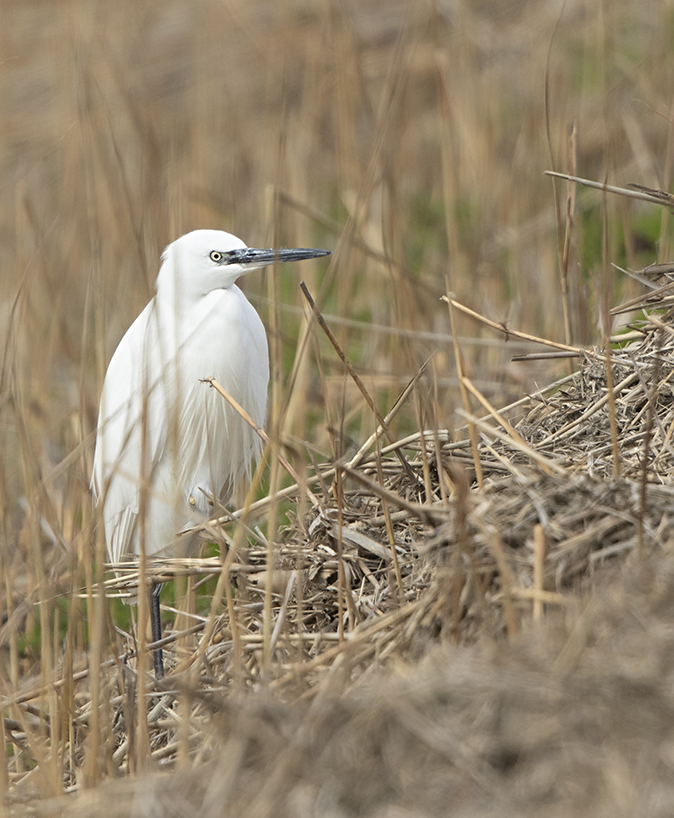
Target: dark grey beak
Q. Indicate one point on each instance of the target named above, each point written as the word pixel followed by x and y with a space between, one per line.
pixel 250 257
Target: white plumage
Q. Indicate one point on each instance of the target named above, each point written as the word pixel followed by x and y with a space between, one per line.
pixel 165 440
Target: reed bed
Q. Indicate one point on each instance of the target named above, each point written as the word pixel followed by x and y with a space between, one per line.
pixel 449 589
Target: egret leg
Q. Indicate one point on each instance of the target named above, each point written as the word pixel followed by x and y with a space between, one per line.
pixel 155 621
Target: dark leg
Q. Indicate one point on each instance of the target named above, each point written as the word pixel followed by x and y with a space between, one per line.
pixel 155 620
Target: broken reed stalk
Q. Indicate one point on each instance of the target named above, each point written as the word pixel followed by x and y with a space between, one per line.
pixel 393 411
pixel 356 379
pixel 663 242
pixel 572 147
pixel 544 356
pixel 606 332
pixel 354 376
pixel 641 192
pixel 275 410
pixel 464 391
pixel 512 332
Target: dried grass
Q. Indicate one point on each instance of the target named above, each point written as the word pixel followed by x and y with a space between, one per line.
pixel 384 637
pixel 467 569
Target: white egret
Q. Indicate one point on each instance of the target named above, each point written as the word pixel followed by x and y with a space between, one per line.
pixel 168 447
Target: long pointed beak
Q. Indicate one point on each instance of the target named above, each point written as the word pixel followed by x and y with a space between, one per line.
pixel 252 258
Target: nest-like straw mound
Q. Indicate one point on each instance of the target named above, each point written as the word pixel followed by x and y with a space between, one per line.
pixel 574 424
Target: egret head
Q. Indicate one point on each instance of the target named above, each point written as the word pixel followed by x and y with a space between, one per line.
pixel 206 260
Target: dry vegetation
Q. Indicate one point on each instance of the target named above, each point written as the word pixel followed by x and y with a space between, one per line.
pixel 438 618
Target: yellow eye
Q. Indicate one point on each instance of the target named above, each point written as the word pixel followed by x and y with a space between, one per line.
pixel 216 256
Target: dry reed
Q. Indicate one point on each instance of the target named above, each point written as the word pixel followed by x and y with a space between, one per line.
pixel 364 642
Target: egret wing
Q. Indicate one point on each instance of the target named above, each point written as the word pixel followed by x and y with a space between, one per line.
pixel 131 426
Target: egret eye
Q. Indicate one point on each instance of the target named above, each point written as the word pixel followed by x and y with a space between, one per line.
pixel 216 256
